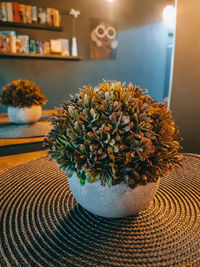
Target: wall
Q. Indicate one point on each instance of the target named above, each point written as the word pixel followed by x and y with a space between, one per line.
pixel 141 55
pixel 185 97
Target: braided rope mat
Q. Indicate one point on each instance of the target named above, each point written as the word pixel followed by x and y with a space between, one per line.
pixel 42 225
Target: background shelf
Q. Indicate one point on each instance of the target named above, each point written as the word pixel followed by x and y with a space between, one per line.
pixel 38 56
pixel 32 26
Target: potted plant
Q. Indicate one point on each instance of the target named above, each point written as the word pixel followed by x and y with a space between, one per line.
pixel 24 100
pixel 115 143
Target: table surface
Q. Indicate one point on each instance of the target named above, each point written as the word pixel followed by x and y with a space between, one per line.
pixel 11 130
pixel 13 160
pixel 12 146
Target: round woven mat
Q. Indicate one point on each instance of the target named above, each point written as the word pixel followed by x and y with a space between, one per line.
pixel 42 225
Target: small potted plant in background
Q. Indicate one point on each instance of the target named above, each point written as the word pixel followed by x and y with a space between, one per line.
pixel 115 143
pixel 24 100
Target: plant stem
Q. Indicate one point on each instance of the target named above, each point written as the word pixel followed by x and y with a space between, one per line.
pixel 73 27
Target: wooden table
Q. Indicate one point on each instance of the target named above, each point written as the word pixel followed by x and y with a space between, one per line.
pixel 14 160
pixel 14 151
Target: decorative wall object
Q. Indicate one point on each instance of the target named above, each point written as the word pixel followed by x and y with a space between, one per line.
pixel 103 40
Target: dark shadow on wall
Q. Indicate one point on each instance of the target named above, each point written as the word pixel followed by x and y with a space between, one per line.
pixel 185 97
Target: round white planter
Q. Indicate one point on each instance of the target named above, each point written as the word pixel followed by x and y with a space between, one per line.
pixel 25 115
pixel 112 202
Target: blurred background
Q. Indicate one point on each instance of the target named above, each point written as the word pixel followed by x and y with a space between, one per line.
pixel 147 55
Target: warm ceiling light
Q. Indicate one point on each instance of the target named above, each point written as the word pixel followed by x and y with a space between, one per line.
pixel 110 0
pixel 169 17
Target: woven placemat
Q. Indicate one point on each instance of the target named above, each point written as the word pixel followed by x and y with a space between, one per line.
pixel 42 225
pixel 9 129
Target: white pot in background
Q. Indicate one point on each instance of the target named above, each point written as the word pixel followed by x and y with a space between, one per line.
pixel 25 115
pixel 112 202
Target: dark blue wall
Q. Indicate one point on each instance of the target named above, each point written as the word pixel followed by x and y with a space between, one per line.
pixel 142 57
pixel 141 54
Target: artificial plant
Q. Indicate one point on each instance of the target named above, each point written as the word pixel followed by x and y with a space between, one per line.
pixel 22 93
pixel 114 133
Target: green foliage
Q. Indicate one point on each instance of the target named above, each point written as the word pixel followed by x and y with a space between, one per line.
pixel 114 133
pixel 22 93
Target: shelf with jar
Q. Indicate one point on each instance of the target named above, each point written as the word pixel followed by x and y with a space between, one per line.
pixel 12 45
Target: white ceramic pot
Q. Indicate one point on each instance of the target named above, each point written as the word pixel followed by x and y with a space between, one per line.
pixel 25 115
pixel 112 202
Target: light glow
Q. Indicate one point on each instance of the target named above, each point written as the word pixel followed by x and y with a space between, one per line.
pixel 169 17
